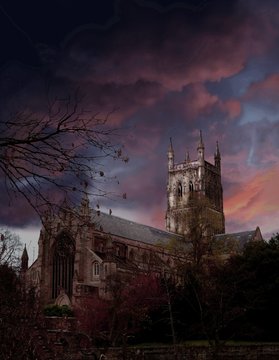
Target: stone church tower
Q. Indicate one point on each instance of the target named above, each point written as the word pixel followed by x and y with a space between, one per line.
pixel 194 187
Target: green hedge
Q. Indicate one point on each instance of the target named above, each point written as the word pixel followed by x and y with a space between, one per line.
pixel 56 310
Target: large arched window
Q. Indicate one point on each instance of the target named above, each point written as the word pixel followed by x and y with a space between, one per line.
pixel 63 265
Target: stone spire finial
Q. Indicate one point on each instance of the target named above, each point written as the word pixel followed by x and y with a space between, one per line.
pixel 187 157
pixel 24 259
pixel 217 152
pixel 170 156
pixel 217 157
pixel 170 146
pixel 200 149
pixel 200 144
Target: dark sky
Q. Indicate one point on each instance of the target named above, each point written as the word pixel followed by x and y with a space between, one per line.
pixel 170 69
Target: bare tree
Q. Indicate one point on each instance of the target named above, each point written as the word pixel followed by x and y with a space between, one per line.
pixel 199 242
pixel 10 248
pixel 62 149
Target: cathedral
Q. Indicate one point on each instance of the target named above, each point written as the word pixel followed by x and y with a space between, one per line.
pixel 80 249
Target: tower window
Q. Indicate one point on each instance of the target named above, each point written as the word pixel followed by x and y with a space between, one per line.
pixel 179 190
pixel 191 186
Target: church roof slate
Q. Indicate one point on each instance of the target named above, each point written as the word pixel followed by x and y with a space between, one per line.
pixel 242 238
pixel 128 229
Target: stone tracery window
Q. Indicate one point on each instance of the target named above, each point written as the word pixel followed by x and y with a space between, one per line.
pixel 63 264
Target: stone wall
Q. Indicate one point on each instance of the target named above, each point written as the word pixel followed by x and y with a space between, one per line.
pixel 243 352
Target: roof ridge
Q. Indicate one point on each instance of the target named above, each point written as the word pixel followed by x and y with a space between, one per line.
pixel 235 233
pixel 137 223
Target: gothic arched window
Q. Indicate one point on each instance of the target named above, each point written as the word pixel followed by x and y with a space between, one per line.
pixel 179 189
pixel 63 264
pixel 191 186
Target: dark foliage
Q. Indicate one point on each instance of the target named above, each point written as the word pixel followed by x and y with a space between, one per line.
pixel 256 275
pixel 56 310
pixel 234 300
pixel 16 316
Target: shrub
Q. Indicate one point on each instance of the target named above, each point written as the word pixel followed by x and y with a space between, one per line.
pixel 56 310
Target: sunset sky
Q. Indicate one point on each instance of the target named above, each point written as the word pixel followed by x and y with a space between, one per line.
pixel 168 69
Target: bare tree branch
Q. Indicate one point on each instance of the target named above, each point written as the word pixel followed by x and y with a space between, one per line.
pixel 10 248
pixel 63 150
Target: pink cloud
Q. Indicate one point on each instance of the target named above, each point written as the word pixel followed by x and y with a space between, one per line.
pixel 155 216
pixel 196 100
pixel 255 201
pixel 182 55
pixel 200 101
pixel 267 89
pixel 232 107
pixel 122 101
pixel 234 167
pixel 137 61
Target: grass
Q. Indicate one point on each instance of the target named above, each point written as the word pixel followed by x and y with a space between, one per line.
pixel 205 343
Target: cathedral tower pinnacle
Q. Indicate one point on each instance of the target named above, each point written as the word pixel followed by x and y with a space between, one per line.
pixel 170 156
pixel 217 157
pixel 200 148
